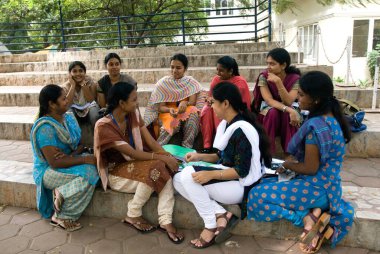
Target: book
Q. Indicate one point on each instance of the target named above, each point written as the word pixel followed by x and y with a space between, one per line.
pixel 179 152
pixel 282 177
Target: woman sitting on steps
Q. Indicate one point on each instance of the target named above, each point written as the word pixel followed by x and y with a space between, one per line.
pixel 61 168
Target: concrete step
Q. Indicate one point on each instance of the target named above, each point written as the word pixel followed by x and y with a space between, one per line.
pixel 17 189
pixel 243 59
pixel 162 51
pixel 27 57
pixel 142 52
pixel 143 76
pixel 28 95
pixel 16 123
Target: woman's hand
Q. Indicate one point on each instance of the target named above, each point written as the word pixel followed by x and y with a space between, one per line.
pixel 72 81
pixel 295 118
pixel 273 78
pixel 170 162
pixel 182 107
pixel 202 177
pixel 192 157
pixel 89 159
pixel 173 112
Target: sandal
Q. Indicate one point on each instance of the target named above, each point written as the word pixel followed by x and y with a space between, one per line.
pixel 327 233
pixel 319 226
pixel 57 198
pixel 204 243
pixel 68 225
pixel 137 225
pixel 179 239
pixel 223 232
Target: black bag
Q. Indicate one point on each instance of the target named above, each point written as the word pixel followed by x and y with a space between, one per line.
pixel 354 115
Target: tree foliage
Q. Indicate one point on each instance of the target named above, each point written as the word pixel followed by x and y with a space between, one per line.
pixel 97 23
pixel 280 6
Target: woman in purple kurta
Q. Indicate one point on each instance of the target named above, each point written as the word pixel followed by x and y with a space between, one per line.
pixel 275 92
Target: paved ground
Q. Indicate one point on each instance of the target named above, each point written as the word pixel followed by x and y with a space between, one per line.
pixel 23 231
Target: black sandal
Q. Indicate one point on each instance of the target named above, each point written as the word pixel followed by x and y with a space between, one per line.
pixel 179 239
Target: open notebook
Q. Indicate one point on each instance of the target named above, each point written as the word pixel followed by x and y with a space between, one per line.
pixel 179 152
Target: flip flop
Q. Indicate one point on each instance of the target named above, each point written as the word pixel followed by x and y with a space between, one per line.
pixel 204 243
pixel 63 225
pixel 179 240
pixel 224 232
pixel 136 225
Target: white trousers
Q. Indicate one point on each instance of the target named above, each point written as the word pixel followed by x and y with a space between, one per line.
pixel 205 198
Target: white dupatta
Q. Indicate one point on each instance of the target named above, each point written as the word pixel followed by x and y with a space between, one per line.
pixel 222 137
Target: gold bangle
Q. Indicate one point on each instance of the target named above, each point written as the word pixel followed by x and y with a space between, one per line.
pixel 152 155
pixel 220 174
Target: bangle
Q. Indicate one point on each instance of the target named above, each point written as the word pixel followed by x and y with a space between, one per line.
pixel 284 108
pixel 220 174
pixel 152 155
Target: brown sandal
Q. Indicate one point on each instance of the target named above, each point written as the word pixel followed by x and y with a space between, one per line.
pixel 326 234
pixel 319 226
pixel 204 243
pixel 223 232
pixel 68 225
pixel 175 233
pixel 137 225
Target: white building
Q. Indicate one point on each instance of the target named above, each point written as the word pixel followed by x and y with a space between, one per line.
pixel 324 32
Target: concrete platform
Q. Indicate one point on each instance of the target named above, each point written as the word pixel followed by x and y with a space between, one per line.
pixel 155 61
pixel 28 95
pixel 17 189
pixel 143 76
pixel 16 123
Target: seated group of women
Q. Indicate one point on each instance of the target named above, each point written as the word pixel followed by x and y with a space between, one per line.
pixel 128 159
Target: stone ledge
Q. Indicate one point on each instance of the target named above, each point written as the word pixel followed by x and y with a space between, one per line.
pixel 16 123
pixel 365 231
pixel 155 61
pixel 28 95
pixel 144 76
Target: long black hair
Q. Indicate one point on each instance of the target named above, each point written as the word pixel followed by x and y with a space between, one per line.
pixel 77 63
pixel 320 88
pixel 182 58
pixel 282 56
pixel 228 91
pixel 230 64
pixel 119 91
pixel 48 93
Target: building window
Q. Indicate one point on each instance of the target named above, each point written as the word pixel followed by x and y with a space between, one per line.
pixel 360 38
pixel 366 35
pixel 223 7
pixel 309 41
pixel 376 34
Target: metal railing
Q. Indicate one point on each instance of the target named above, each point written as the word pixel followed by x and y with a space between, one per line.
pixel 174 28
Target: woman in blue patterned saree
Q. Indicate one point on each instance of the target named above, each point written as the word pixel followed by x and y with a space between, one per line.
pixel 61 168
pixel 314 198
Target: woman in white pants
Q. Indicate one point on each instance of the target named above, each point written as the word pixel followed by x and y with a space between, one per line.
pixel 244 150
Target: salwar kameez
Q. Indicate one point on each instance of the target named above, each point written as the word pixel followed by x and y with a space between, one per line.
pixel 171 91
pixel 271 200
pixel 76 183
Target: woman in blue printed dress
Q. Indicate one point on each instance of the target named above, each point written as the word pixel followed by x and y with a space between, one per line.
pixel 62 169
pixel 314 198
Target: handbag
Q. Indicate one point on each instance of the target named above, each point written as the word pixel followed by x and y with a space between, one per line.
pixel 354 115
